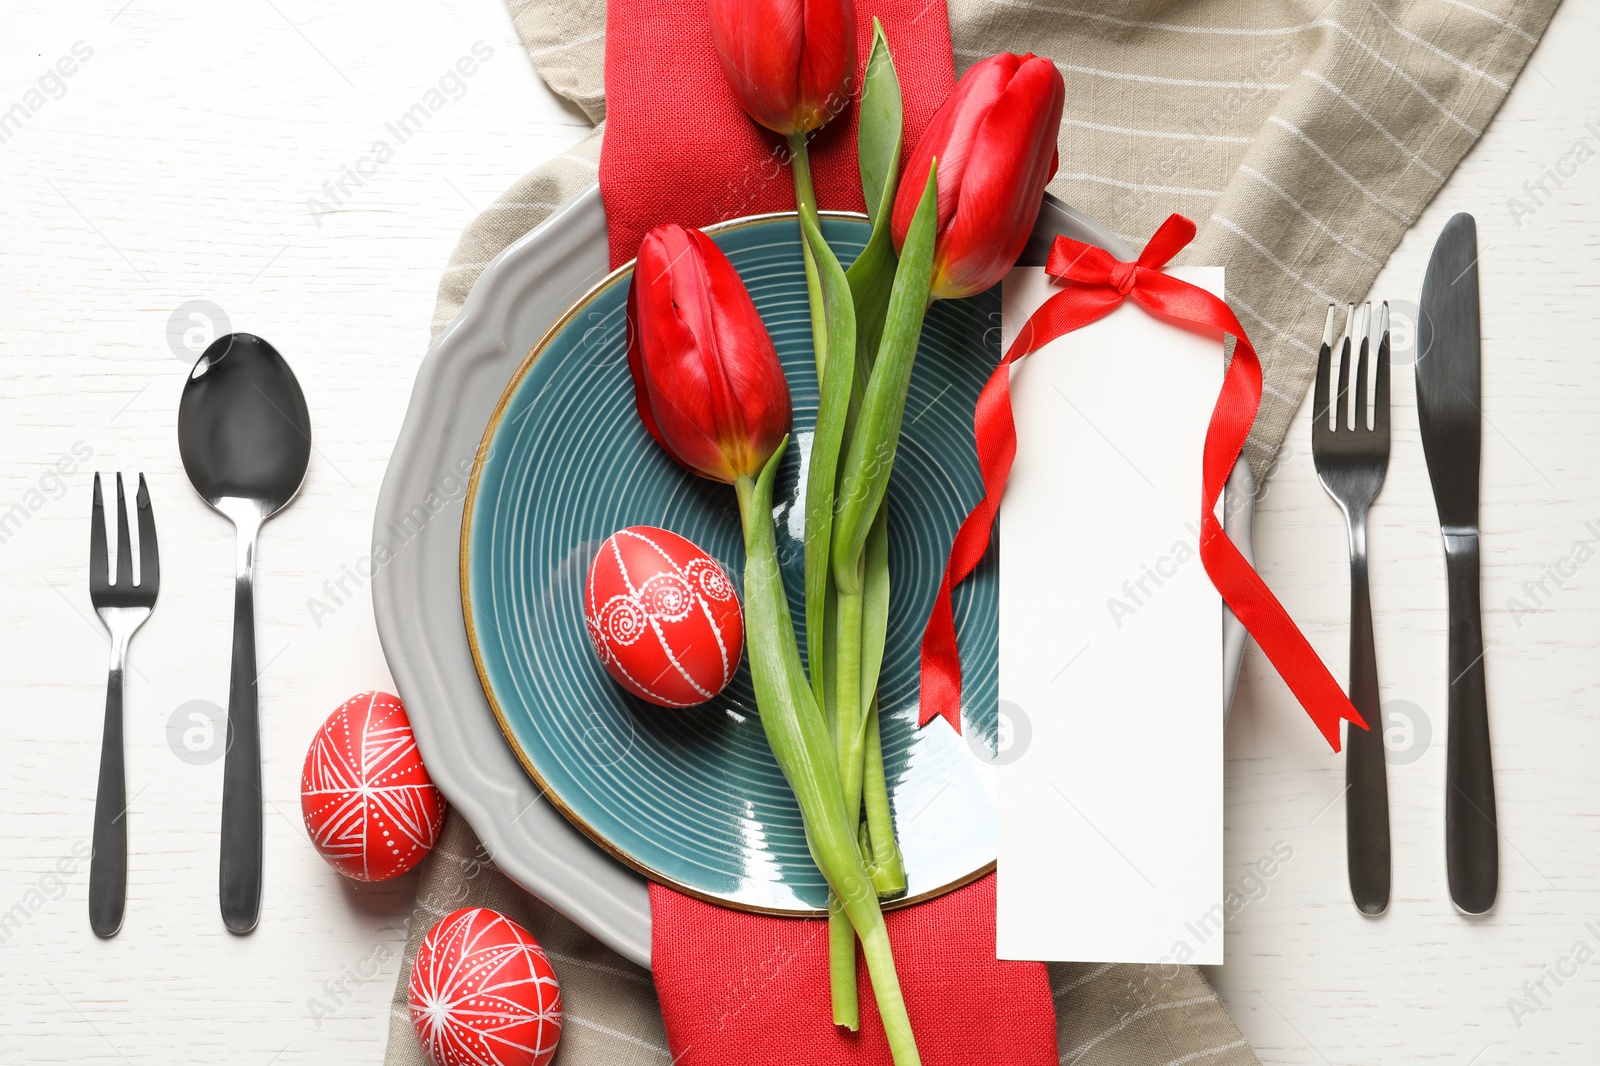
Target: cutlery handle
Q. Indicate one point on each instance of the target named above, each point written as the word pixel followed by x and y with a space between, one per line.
pixel 239 883
pixel 108 864
pixel 1472 847
pixel 1366 779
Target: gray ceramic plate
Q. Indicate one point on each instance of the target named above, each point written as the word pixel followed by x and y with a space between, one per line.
pixel 416 595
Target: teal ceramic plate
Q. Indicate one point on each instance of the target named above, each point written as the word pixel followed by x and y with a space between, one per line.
pixel 693 798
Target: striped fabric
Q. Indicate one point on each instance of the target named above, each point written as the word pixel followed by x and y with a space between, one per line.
pixel 1304 136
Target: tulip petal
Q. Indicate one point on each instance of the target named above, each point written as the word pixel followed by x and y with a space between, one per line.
pixel 1003 184
pixel 708 383
pixel 986 88
pixel 641 394
pixel 738 361
pixel 995 139
pixel 676 325
pixel 789 62
pixel 827 61
pixel 758 43
pixel 951 136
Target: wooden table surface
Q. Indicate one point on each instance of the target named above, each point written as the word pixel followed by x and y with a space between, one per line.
pixel 246 155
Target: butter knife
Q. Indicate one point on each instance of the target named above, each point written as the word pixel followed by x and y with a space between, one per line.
pixel 1448 409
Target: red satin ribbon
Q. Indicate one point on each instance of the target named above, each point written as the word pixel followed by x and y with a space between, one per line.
pixel 1097 283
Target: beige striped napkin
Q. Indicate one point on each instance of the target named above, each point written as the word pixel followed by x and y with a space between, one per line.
pixel 1303 136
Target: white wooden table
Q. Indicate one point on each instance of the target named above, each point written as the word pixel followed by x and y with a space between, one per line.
pixel 230 153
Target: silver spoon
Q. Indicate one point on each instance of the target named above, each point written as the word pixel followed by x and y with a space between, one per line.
pixel 245 437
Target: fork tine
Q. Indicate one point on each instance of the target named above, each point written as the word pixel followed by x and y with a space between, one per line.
pixel 149 556
pixel 1360 418
pixel 1380 396
pixel 124 542
pixel 1341 419
pixel 1319 400
pixel 99 569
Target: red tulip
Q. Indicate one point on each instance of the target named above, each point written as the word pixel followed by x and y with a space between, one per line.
pixel 789 61
pixel 706 378
pixel 995 139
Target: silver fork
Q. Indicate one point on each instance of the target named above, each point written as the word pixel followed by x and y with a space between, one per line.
pixel 1351 454
pixel 123 606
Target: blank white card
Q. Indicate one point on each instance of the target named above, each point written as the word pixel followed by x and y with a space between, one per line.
pixel 1110 791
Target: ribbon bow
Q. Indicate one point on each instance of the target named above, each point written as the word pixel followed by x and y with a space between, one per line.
pixel 1097 282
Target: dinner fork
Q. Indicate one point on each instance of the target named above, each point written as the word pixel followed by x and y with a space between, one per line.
pixel 1350 450
pixel 123 606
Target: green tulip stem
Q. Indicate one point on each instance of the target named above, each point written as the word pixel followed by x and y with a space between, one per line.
pixel 846 621
pixel 884 865
pixel 842 967
pixel 883 857
pixel 805 198
pixel 836 381
pixel 860 743
pixel 849 734
pixel 803 747
pixel 836 385
pixel 804 193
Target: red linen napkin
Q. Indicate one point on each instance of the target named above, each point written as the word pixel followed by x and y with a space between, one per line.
pixel 744 988
pixel 748 989
pixel 678 148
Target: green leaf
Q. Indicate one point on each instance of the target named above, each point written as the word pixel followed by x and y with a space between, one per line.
pixel 790 717
pixel 871 279
pixel 838 378
pixel 879 140
pixel 875 605
pixel 881 127
pixel 870 458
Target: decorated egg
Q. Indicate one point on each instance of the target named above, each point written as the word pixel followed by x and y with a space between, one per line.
pixel 369 804
pixel 482 993
pixel 663 617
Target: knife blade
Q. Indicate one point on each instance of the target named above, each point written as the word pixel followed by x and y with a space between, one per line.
pixel 1449 398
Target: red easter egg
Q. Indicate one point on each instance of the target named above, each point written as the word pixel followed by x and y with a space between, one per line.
pixel 369 804
pixel 482 993
pixel 663 617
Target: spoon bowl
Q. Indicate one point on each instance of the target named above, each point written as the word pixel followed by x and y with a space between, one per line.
pixel 243 428
pixel 244 434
